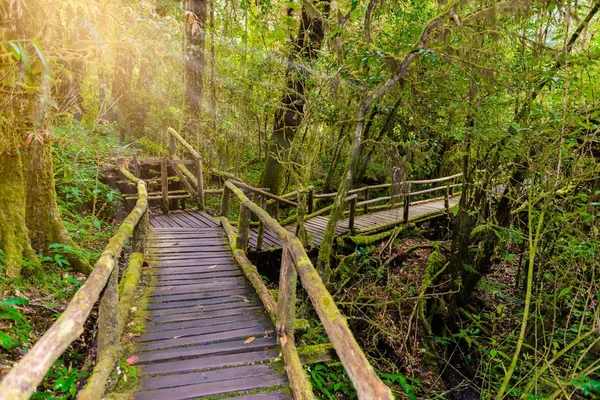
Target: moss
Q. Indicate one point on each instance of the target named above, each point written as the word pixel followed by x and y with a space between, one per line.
pixel 316 353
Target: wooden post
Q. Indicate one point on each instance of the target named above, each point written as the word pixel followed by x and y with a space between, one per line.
pixel 137 240
pixel 406 202
pixel 243 228
pixel 200 193
pixel 366 206
pixel 286 302
pixel 136 166
pixel 286 316
pixel 164 178
pixel 108 317
pixel 172 147
pixel 261 225
pixel 311 201
pixel 352 204
pixel 225 201
pixel 447 199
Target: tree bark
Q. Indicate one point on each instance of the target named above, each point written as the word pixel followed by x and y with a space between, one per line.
pixel 194 58
pixel 290 113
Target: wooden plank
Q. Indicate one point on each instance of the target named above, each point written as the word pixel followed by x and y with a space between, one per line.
pixel 197 314
pixel 252 330
pixel 210 362
pixel 165 279
pixel 203 350
pixel 191 281
pixel 201 330
pixel 203 304
pixel 206 376
pixel 206 322
pixel 243 291
pixel 175 219
pixel 204 217
pixel 277 395
pixel 212 389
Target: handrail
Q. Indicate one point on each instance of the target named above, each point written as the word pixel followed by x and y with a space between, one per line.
pixel 26 375
pixel 296 262
pixel 181 170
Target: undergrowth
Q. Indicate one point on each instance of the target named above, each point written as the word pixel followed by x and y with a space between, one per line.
pixel 33 302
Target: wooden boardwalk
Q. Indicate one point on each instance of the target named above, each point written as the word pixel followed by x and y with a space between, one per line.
pixel 208 333
pixel 316 225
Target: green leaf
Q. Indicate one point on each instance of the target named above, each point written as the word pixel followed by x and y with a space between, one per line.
pixel 16 50
pixel 36 46
pixel 6 341
pixel 14 301
pixel 564 292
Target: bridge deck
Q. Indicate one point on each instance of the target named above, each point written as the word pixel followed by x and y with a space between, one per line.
pixel 208 334
pixel 316 225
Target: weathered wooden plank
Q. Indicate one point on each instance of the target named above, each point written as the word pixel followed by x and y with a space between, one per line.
pixel 277 395
pixel 210 362
pixel 252 330
pixel 245 371
pixel 196 314
pixel 203 350
pixel 224 302
pixel 212 389
pixel 243 292
pixel 194 280
pixel 201 330
pixel 246 316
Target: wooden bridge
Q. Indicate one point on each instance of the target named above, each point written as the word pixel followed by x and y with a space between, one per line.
pixel 213 328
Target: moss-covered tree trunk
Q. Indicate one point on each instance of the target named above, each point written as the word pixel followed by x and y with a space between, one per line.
pixel 290 113
pixel 14 238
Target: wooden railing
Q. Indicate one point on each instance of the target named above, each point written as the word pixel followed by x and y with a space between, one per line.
pixel 102 286
pixel 295 262
pixel 184 175
pixel 355 206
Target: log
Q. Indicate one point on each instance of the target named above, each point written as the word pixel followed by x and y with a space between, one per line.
pixel 26 375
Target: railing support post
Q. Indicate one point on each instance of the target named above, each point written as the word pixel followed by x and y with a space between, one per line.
pixel 447 199
pixel 108 318
pixel 164 178
pixel 200 193
pixel 225 201
pixel 406 202
pixel 366 206
pixel 243 228
pixel 311 200
pixel 261 226
pixel 137 240
pixel 172 147
pixel 352 204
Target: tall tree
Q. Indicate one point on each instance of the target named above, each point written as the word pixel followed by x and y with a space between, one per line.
pixel 291 110
pixel 29 216
pixel 194 59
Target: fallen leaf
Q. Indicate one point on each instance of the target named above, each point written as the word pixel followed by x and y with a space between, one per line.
pixel 283 339
pixel 132 360
pixel 176 244
pixel 130 335
pixel 132 323
pixel 249 340
pixel 166 288
pixel 214 266
pixel 200 307
pixel 177 337
pixel 133 309
pixel 268 334
pixel 246 301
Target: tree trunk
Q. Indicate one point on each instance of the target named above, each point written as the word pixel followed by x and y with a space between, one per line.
pixel 194 59
pixel 290 113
